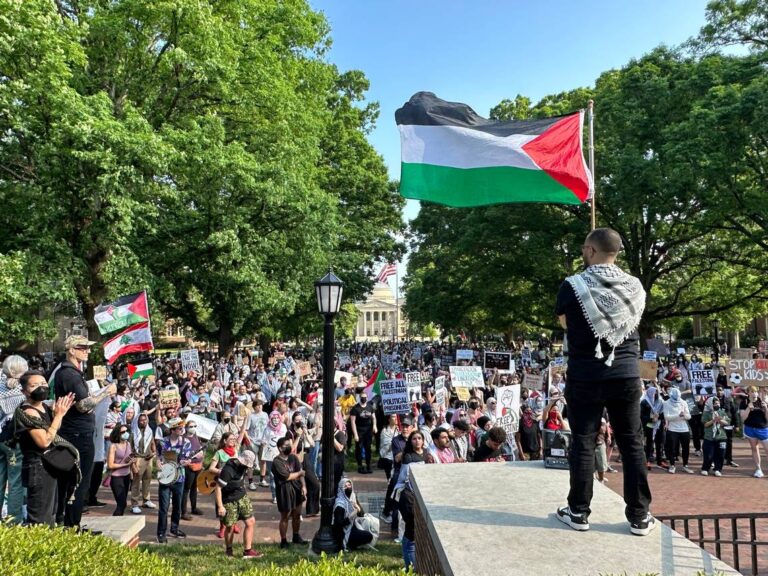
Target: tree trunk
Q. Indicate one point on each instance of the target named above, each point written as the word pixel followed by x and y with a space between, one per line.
pixel 265 345
pixel 646 333
pixel 226 342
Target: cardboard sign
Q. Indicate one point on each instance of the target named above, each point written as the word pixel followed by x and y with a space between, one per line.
pixel 463 394
pixel 440 395
pixel 753 372
pixel 394 396
pixel 533 381
pixel 467 377
pixel 190 360
pixel 464 355
pixel 446 361
pixel 338 375
pixel 511 423
pixel 705 378
pixel 681 351
pixel 648 369
pixel 658 346
pixel 558 366
pixel 280 355
pixel 741 354
pixel 305 369
pixel 205 426
pixel 169 399
pixel 498 360
pixel 100 372
pixel 526 354
pixel 507 400
pixel 344 360
pixel 413 381
pixel 650 355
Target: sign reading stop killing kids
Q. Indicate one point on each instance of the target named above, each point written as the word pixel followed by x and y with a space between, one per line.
pixel 467 377
pixel 413 381
pixel 753 372
pixel 499 360
pixel 394 396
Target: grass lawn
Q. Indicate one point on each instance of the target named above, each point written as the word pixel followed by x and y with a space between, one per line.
pixel 209 559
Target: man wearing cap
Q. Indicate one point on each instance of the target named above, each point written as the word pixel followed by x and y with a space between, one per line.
pixel 77 426
pixel 600 309
pixel 233 504
pixel 178 449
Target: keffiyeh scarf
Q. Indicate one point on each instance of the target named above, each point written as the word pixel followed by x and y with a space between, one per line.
pixel 612 302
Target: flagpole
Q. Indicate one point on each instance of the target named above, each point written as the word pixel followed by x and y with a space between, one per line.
pixel 591 113
pixel 397 303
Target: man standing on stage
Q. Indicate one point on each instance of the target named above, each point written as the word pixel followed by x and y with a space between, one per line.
pixel 600 308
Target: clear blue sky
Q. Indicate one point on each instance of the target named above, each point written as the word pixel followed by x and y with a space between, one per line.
pixel 483 51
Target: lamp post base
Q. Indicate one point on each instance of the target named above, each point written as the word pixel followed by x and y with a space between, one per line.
pixel 324 541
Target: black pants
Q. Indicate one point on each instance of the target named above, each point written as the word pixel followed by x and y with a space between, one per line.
pixel 71 500
pixel 313 487
pixel 96 477
pixel 586 401
pixel 169 496
pixel 654 442
pixel 728 445
pixel 713 454
pixel 697 431
pixel 41 492
pixel 365 439
pixel 190 489
pixel 386 465
pixel 678 442
pixel 121 487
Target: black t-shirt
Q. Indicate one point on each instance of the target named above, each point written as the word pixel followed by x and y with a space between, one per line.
pixel 363 416
pixel 756 417
pixel 485 452
pixel 68 379
pixel 529 437
pixel 282 468
pixel 231 481
pixel 582 364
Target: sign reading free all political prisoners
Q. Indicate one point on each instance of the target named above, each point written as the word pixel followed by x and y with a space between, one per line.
pixel 394 396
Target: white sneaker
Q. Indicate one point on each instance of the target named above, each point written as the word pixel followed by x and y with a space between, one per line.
pixel 687 470
pixel 758 473
pixel 672 470
pixel 704 473
pixel 252 486
pixel 149 504
pixel 718 473
pixel 135 510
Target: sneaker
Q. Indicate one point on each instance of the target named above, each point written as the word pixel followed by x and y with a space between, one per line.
pixel 149 504
pixel 96 504
pixel 297 539
pixel 274 500
pixel 649 465
pixel 386 518
pixel 162 539
pixel 758 473
pixel 284 544
pixel 612 470
pixel 252 486
pixel 135 510
pixel 643 527
pixel 229 552
pixel 252 554
pixel 704 473
pixel 360 470
pixel 671 469
pixel 687 470
pixel 697 453
pixel 186 517
pixel 264 484
pixel 235 529
pixel 178 533
pixel 575 521
pixel 197 512
pixel 718 473
pixel 732 464
pixel 220 532
pixel 398 541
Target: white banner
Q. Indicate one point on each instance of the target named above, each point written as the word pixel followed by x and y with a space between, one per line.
pixel 464 355
pixel 467 377
pixel 190 360
pixel 394 396
pixel 440 390
pixel 338 375
pixel 413 381
pixel 205 426
pixel 705 378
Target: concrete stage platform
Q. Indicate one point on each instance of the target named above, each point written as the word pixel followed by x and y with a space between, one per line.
pixel 123 529
pixel 483 519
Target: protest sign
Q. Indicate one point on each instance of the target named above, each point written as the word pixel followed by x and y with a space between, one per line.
pixel 648 369
pixel 657 345
pixel 205 426
pixel 413 381
pixel 533 381
pixel 305 369
pixel 169 398
pixel 753 372
pixel 190 360
pixel 762 346
pixel 526 354
pixel 464 355
pixel 741 354
pixel 279 355
pixel 93 386
pixel 388 361
pixel 558 366
pixel 100 372
pixel 440 395
pixel 446 361
pixel 499 360
pixel 507 400
pixel 705 378
pixel 416 353
pixel 344 360
pixel 463 394
pixel 338 375
pixel 650 355
pixel 467 377
pixel 394 396
pixel 681 350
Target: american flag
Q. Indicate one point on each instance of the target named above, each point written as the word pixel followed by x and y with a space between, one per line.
pixel 386 271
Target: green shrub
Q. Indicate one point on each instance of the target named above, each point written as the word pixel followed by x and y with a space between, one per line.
pixel 326 566
pixel 38 551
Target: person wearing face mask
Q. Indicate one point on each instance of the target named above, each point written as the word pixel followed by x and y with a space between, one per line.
pixel 362 420
pixel 120 461
pixel 233 504
pixel 346 510
pixel 189 496
pixel 37 427
pixel 291 491
pixel 677 415
pixel 714 419
pixel 272 433
pixel 301 442
pixel 226 425
pixel 11 397
pixel 144 449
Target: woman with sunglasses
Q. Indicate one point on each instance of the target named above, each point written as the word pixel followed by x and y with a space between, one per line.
pixel 120 459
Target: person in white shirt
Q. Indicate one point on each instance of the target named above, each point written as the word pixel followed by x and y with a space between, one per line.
pixel 676 415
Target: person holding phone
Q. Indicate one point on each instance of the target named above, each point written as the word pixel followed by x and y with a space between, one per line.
pixel 754 413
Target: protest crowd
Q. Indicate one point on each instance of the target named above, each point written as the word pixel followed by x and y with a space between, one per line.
pixel 228 426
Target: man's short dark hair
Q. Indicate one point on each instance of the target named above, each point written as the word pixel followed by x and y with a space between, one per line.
pixel 282 442
pixel 605 240
pixel 497 434
pixel 461 425
pixel 436 433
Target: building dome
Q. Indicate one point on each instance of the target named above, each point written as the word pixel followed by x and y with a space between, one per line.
pixel 383 292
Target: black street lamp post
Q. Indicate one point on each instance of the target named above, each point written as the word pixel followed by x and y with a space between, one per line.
pixel 329 290
pixel 715 326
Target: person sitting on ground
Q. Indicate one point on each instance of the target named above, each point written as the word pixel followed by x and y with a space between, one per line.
pixel 490 448
pixel 345 510
pixel 233 504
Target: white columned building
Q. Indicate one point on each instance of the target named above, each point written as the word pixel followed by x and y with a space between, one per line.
pixel 377 316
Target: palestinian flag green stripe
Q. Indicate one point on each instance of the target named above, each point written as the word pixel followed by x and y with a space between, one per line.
pixel 465 187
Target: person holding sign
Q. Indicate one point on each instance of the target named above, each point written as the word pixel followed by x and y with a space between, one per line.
pixel 600 309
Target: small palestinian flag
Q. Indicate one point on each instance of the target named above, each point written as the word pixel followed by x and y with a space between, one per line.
pixel 126 311
pixel 452 156
pixel 140 368
pixel 137 338
pixel 374 388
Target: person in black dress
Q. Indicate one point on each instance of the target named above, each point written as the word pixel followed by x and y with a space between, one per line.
pixel 290 491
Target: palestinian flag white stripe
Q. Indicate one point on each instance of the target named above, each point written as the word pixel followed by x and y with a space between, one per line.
pixel 461 147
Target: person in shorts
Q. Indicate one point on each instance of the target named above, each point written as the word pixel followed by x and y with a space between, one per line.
pixel 233 504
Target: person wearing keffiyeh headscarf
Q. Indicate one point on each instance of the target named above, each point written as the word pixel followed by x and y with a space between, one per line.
pixel 714 419
pixel 601 308
pixel 652 417
pixel 677 414
pixel 345 510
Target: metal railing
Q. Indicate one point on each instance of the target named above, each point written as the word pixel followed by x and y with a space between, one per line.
pixel 727 532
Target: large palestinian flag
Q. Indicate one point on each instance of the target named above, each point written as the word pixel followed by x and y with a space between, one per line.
pixel 140 368
pixel 452 156
pixel 137 338
pixel 126 311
